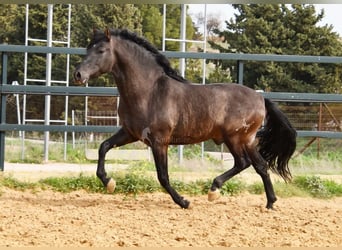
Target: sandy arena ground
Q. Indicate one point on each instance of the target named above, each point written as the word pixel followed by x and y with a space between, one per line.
pixel 47 218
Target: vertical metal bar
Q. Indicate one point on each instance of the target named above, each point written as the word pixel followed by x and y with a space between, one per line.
pixel 73 124
pixel 25 81
pixel 182 39
pixel 164 27
pixel 66 107
pixel 48 82
pixel 319 128
pixel 240 72
pixel 204 65
pixel 3 110
pixel 182 63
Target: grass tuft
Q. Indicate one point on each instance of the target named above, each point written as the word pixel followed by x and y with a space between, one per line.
pixel 137 182
pixel 318 187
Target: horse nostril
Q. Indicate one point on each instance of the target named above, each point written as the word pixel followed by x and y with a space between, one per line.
pixel 77 75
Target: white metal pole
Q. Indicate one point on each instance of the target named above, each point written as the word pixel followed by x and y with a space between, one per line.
pixel 25 77
pixel 204 65
pixel 67 83
pixel 48 82
pixel 73 124
pixel 182 62
pixel 18 105
pixel 164 27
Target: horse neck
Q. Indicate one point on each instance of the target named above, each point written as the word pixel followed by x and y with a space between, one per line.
pixel 135 70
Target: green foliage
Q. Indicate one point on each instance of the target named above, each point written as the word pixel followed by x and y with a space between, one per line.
pixel 198 187
pixel 152 23
pixel 101 16
pixel 16 184
pixel 144 19
pixel 318 187
pixel 134 183
pixel 333 188
pixel 141 166
pixel 279 29
pixel 34 153
pixel 68 184
pixel 288 190
pixel 11 20
pixel 327 162
pixel 256 188
pixel 173 17
pixel 232 187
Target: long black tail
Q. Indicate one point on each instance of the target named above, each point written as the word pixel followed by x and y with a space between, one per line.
pixel 277 141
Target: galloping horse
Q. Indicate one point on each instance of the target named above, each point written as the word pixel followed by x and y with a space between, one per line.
pixel 161 108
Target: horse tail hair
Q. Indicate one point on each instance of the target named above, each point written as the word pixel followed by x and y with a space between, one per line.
pixel 277 141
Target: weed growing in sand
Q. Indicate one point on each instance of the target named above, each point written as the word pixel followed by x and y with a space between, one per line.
pixel 318 187
pixel 13 183
pixel 135 183
pixel 68 184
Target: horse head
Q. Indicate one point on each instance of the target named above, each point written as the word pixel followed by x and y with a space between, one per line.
pixel 99 58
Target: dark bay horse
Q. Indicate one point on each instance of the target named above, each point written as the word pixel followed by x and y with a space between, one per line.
pixel 161 108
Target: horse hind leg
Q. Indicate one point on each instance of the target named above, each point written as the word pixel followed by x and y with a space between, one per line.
pixel 118 139
pixel 260 166
pixel 241 162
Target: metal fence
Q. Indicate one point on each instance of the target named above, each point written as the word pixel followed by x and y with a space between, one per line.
pixel 6 89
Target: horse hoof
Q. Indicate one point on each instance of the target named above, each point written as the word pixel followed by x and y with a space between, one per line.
pixel 111 186
pixel 186 204
pixel 214 195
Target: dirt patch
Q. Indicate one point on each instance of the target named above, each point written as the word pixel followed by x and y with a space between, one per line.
pixel 47 218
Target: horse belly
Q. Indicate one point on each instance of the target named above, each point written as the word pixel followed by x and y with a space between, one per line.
pixel 193 133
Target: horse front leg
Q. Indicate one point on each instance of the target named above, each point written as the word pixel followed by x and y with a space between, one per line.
pixel 118 139
pixel 160 159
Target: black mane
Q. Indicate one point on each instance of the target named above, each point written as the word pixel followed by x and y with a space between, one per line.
pixel 160 58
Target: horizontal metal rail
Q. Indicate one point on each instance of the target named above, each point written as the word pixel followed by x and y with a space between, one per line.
pixel 321 134
pixel 6 89
pixel 113 91
pixel 58 90
pixel 113 129
pixel 58 128
pixel 177 54
pixel 302 97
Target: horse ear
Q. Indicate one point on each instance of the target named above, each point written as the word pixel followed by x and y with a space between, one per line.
pixel 95 32
pixel 107 33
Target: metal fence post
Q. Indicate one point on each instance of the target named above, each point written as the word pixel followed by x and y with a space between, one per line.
pixel 240 72
pixel 3 109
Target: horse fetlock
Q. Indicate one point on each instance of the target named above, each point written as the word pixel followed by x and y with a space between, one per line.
pixel 111 186
pixel 270 203
pixel 214 195
pixel 185 204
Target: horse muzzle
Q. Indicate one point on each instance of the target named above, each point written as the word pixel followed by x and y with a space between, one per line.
pixel 80 78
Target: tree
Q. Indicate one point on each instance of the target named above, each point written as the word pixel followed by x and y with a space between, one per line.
pixel 173 17
pixel 101 16
pixel 213 22
pixel 152 16
pixel 278 29
pixel 142 19
pixel 152 23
